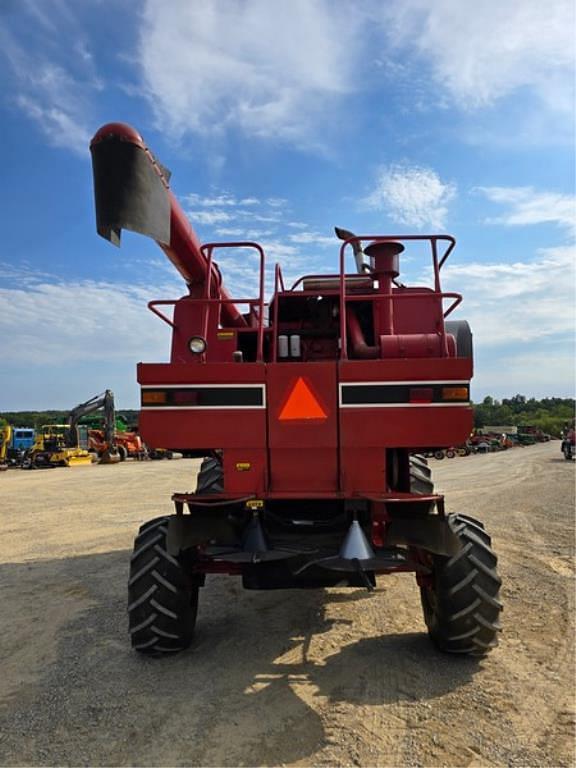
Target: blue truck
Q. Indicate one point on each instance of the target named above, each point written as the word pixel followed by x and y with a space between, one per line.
pixel 22 440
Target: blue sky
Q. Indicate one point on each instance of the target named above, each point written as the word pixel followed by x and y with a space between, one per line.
pixel 278 121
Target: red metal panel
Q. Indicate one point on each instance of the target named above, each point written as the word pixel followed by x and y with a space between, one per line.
pixel 209 373
pixel 418 311
pixel 188 322
pixel 364 430
pixel 245 472
pixel 197 428
pixel 303 452
pixel 405 427
pixel 363 470
pixel 411 425
pixel 413 369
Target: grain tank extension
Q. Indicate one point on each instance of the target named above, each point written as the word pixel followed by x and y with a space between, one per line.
pixel 312 411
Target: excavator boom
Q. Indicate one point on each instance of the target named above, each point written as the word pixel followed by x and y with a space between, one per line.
pixel 104 402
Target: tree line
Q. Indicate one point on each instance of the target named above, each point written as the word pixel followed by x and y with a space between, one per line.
pixel 550 414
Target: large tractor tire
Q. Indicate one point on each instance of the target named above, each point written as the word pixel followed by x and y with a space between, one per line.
pixel 462 336
pixel 210 477
pixel 162 601
pixel 460 604
pixel 420 476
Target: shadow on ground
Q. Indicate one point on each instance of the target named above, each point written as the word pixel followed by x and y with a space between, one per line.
pixel 246 692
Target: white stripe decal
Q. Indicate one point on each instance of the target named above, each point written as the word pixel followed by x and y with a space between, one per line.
pixel 202 407
pixel 204 386
pixel 408 405
pixel 426 383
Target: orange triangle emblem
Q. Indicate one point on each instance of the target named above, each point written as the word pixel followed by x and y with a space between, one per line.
pixel 302 404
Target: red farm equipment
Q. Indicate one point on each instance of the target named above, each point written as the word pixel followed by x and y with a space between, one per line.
pixel 312 411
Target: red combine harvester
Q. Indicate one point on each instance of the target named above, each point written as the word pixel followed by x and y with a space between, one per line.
pixel 311 411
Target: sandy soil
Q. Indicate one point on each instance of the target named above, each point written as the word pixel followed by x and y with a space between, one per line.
pixel 329 677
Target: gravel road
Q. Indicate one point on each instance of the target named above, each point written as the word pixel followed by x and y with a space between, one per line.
pixel 328 677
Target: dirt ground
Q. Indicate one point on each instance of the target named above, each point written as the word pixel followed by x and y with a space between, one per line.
pixel 323 678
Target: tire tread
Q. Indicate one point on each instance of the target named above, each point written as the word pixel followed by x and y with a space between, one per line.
pixel 462 609
pixel 162 603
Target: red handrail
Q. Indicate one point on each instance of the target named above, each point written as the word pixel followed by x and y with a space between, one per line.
pixel 207 251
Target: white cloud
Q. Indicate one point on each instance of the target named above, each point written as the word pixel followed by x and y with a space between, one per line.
pixel 231 232
pixel 59 125
pixel 523 301
pixel 49 13
pixel 242 215
pixel 314 238
pixel 223 199
pixel 537 372
pixel 413 196
pixel 80 321
pixel 482 53
pixel 276 249
pixel 271 218
pixel 283 71
pixel 529 206
pixel 55 95
pixel 85 333
pixel 209 217
pixel 269 69
pixel 23 274
pixel 244 234
pixel 226 216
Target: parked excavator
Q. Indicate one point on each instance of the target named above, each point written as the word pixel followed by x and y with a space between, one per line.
pixel 67 445
pixel 102 442
pixel 106 441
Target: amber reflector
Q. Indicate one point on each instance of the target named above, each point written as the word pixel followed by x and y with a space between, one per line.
pixel 149 397
pixel 454 393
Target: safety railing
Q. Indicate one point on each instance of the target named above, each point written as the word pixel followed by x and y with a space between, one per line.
pixel 208 300
pixel 437 262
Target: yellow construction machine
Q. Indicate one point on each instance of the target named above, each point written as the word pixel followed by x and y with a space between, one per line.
pixel 5 438
pixel 65 445
pixel 57 445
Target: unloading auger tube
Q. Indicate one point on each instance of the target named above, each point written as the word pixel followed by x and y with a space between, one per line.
pixel 131 192
pixel 311 417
